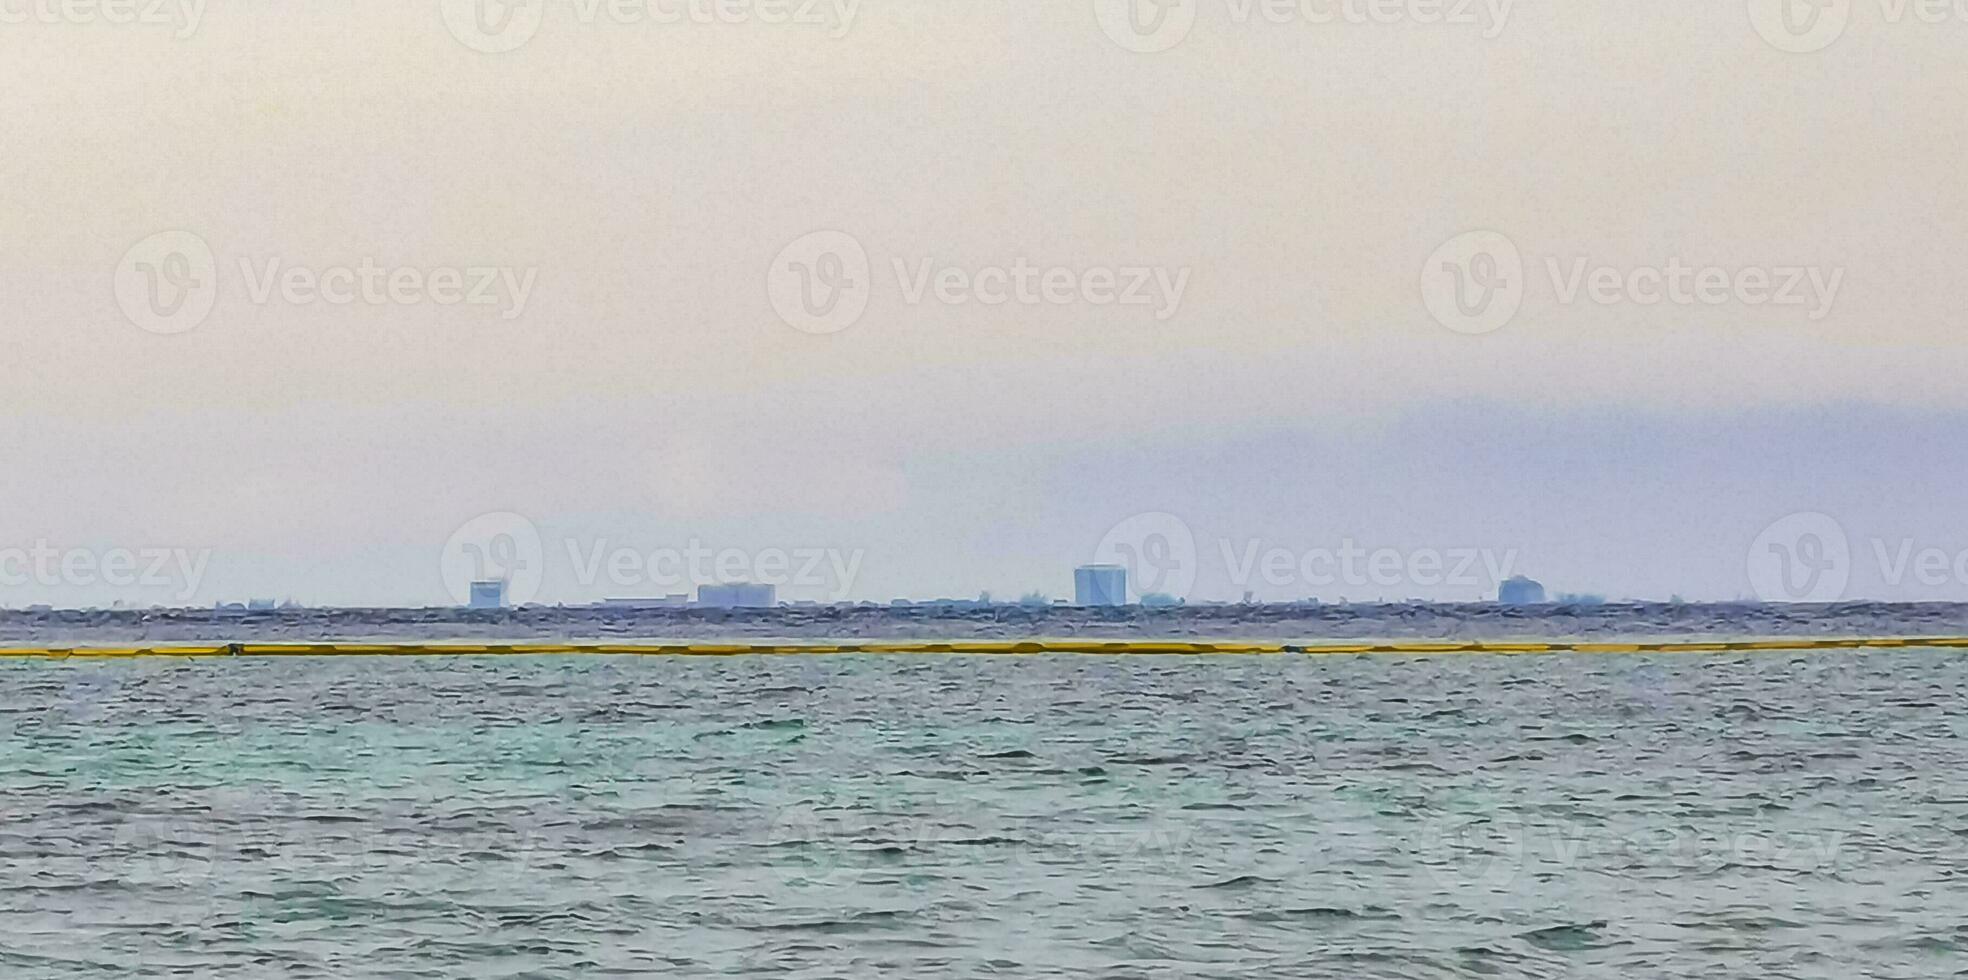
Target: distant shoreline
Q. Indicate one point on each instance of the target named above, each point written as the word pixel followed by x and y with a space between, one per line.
pixel 1279 622
pixel 977 648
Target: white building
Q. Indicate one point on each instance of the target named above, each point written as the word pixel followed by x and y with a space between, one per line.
pixel 737 595
pixel 649 602
pixel 1100 585
pixel 488 594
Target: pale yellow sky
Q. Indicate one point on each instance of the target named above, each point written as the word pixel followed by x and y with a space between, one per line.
pixel 641 178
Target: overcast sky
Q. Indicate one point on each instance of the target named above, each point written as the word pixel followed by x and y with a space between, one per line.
pixel 1595 292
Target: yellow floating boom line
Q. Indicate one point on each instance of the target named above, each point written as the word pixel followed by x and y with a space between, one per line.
pixel 977 648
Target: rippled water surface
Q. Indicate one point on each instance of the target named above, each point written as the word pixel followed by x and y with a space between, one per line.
pixel 1769 816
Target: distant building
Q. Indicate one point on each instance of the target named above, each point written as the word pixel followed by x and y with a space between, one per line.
pixel 737 595
pixel 1100 585
pixel 1520 591
pixel 648 602
pixel 489 594
pixel 238 608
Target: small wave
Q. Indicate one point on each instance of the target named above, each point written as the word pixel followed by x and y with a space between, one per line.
pixel 858 922
pixel 1315 913
pixel 1567 938
pixel 1240 882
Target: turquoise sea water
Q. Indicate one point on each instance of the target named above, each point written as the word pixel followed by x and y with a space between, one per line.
pixel 1773 815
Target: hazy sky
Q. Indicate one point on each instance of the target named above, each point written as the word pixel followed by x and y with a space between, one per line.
pixel 1714 285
